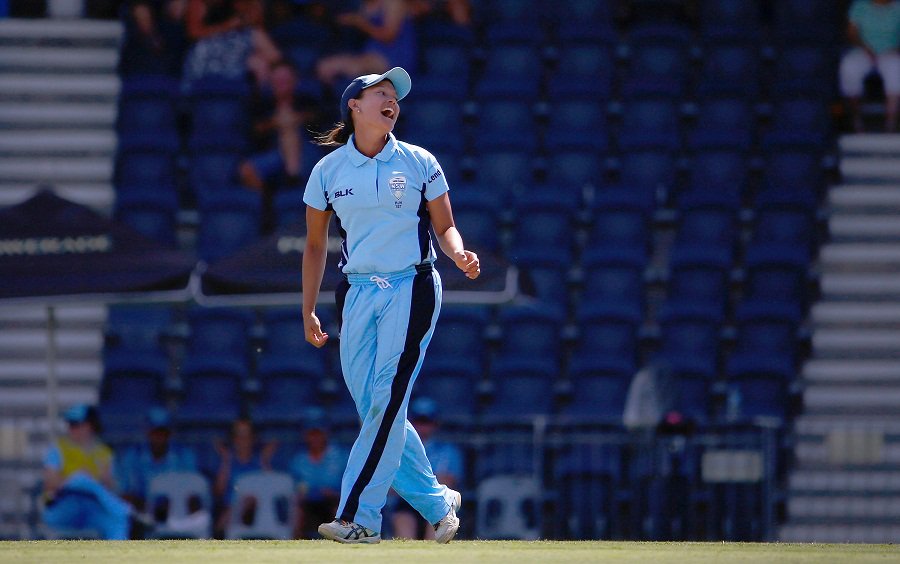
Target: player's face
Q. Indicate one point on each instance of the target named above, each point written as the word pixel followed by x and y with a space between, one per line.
pixel 378 108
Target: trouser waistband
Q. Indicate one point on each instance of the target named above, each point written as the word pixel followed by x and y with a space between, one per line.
pixel 374 277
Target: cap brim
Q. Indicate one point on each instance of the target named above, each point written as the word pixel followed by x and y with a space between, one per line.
pixel 398 77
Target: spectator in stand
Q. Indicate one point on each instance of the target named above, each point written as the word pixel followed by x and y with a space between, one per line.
pixel 154 41
pixel 446 462
pixel 317 471
pixel 874 31
pixel 158 455
pixel 391 42
pixel 279 135
pixel 229 41
pixel 240 457
pixel 79 490
pixel 458 12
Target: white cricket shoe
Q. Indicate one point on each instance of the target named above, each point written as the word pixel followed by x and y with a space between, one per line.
pixel 348 533
pixel 446 528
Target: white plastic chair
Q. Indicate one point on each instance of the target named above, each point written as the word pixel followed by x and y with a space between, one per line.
pixel 508 508
pixel 178 488
pixel 273 491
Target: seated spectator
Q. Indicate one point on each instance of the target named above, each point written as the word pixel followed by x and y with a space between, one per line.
pixel 280 137
pixel 229 41
pixel 240 457
pixel 158 455
pixel 154 41
pixel 317 470
pixel 79 491
pixel 446 463
pixel 391 42
pixel 457 11
pixel 874 30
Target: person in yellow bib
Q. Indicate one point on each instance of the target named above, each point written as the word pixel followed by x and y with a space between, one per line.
pixel 78 481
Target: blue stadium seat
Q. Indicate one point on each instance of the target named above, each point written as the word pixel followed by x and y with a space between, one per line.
pixel 808 20
pixel 783 225
pixel 707 231
pixel 454 382
pixel 777 275
pixel 142 167
pixel 212 172
pixel 530 333
pixel 590 479
pixel 650 122
pixel 614 282
pixel 577 123
pixel 227 223
pixel 717 176
pixel 588 21
pixel 152 214
pixel 622 226
pixel 285 341
pixel 575 168
pixel 476 217
pixel 689 341
pixel 137 328
pixel 512 71
pixel 648 171
pixel 501 120
pixel 724 121
pixel 801 122
pixel 504 169
pixel 729 19
pixel 793 169
pixel 583 69
pixel 444 116
pixel 731 69
pixel 546 278
pixel 148 86
pixel 541 229
pixel 608 340
pixel 212 391
pixel 132 382
pixel 657 66
pixel 523 388
pixel 766 343
pixel 461 329
pixel 698 280
pixel 598 391
pixel 148 116
pixel 219 332
pixel 286 387
pixel 803 69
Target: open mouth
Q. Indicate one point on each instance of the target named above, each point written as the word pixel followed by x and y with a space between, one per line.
pixel 388 113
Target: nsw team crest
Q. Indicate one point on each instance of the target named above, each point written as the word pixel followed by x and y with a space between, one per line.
pixel 398 188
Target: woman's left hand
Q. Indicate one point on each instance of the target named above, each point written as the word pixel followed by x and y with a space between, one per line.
pixel 468 262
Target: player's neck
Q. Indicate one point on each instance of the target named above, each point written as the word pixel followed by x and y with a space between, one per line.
pixel 369 143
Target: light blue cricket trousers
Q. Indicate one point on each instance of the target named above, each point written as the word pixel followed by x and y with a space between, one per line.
pixel 386 324
pixel 85 503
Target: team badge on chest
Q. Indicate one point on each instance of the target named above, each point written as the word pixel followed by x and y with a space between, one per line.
pixel 398 188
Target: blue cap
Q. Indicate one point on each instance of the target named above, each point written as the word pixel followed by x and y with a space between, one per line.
pixel 314 418
pixel 158 418
pixel 423 408
pixel 397 75
pixel 77 413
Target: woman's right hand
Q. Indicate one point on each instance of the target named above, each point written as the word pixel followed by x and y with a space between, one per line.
pixel 313 328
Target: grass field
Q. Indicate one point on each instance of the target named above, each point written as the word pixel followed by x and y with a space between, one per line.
pixel 413 552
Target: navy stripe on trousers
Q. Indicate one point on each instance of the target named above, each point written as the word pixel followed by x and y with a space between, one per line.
pixel 421 312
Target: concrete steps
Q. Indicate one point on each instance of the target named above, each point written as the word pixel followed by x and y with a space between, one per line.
pixel 845 482
pixel 84 116
pixel 60 143
pixel 58 59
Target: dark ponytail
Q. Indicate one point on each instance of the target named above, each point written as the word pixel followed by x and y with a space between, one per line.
pixel 337 135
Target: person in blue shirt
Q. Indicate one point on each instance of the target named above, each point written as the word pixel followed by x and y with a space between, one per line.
pixel 386 196
pixel 317 471
pixel 241 456
pixel 446 461
pixel 158 455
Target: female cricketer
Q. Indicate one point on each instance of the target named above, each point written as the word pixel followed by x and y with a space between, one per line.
pixel 386 196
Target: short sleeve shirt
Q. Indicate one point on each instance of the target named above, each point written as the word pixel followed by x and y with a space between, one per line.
pixel 379 204
pixel 445 458
pixel 879 25
pixel 316 476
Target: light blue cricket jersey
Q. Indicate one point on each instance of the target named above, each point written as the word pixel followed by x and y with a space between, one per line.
pixel 379 204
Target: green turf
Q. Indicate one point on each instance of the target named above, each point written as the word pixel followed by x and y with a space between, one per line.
pixel 413 552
